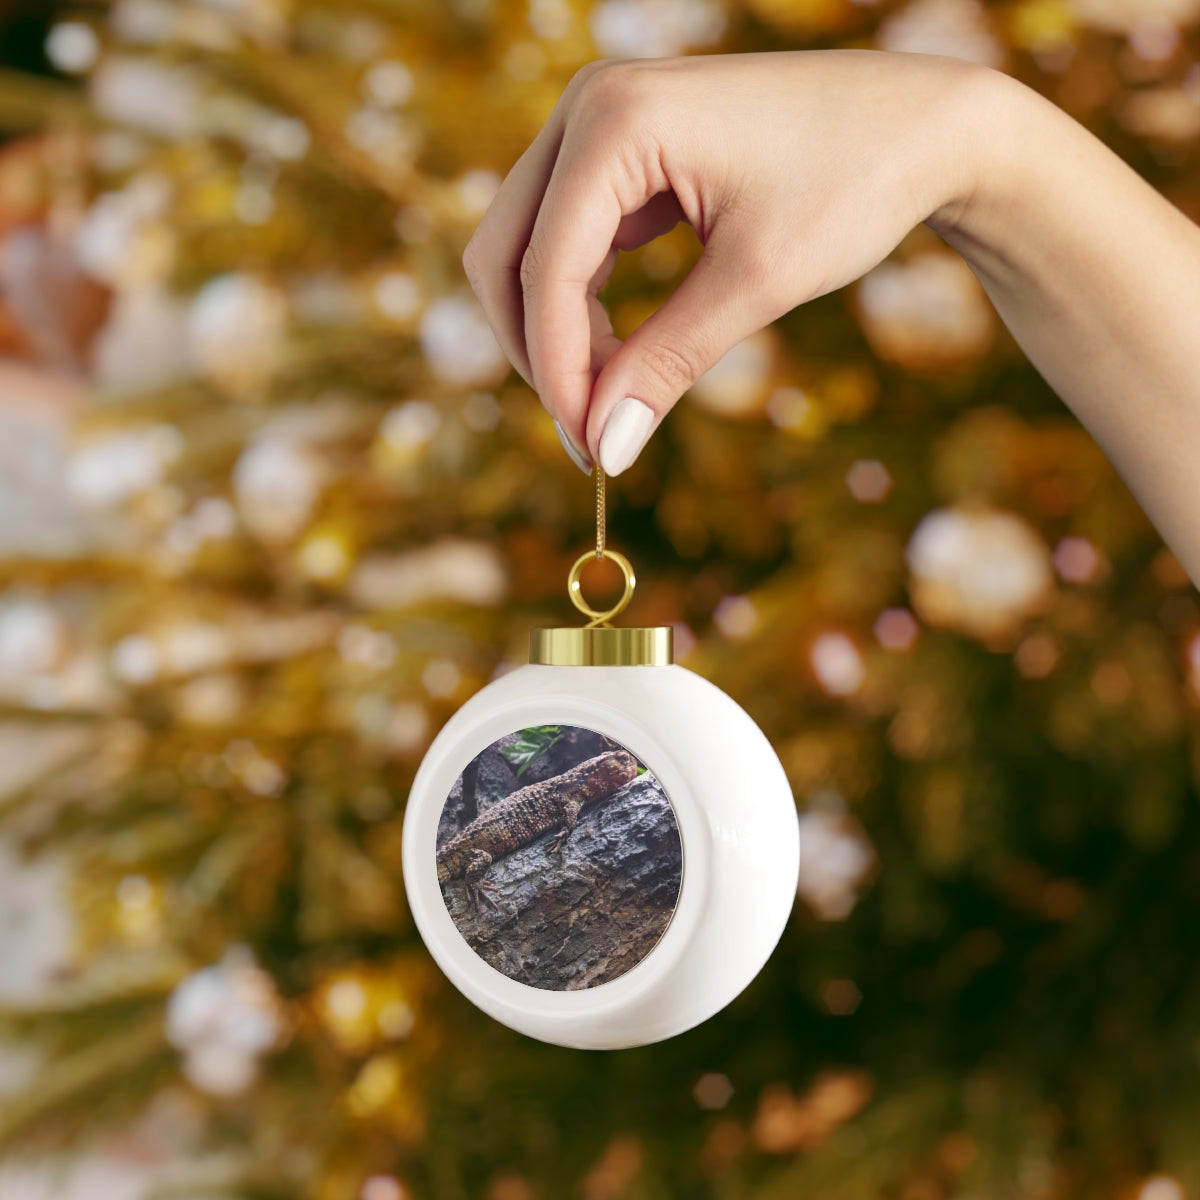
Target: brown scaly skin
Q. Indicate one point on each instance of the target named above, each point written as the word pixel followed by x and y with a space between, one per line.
pixel 527 814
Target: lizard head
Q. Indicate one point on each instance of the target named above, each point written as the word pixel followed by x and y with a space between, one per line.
pixel 616 768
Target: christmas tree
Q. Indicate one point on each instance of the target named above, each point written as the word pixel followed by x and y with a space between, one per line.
pixel 310 510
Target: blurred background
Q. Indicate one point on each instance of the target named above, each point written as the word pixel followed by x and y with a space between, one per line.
pixel 272 506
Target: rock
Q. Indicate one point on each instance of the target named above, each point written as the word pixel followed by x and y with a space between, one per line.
pixel 584 917
pixel 495 780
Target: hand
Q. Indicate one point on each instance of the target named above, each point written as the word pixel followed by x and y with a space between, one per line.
pixel 799 172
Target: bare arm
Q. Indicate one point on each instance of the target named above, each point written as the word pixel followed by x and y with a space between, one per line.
pixel 1098 278
pixel 801 171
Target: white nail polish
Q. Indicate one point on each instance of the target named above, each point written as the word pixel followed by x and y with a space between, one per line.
pixel 625 433
pixel 573 451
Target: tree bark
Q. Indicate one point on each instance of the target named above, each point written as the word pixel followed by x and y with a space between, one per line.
pixel 583 917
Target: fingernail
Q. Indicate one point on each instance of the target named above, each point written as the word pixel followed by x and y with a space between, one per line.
pixel 573 452
pixel 625 433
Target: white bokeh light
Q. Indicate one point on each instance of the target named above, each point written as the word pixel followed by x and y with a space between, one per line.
pixel 397 295
pixel 736 617
pixel 223 1019
pixel 410 425
pixel 277 482
pixel 654 28
pixel 73 47
pixel 451 569
pixel 981 571
pixel 476 189
pixel 925 312
pixel 33 639
pixel 113 467
pixel 389 83
pixel 459 345
pixel 954 28
pixel 236 328
pixel 1162 1187
pixel 142 93
pixel 736 384
pixel 837 664
pixel 836 859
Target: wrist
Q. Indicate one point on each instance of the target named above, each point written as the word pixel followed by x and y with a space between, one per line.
pixel 1025 165
pixel 990 133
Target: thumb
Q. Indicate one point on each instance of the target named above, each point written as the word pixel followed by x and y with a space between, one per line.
pixel 721 301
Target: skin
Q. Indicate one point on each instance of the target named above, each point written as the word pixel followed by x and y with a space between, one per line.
pixel 802 170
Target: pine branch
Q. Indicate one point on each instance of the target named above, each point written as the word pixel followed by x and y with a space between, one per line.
pixel 70 1088
pixel 31 102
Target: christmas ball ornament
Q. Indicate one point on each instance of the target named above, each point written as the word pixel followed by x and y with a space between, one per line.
pixel 601 849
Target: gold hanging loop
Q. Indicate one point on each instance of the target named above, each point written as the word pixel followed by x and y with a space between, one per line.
pixel 575 590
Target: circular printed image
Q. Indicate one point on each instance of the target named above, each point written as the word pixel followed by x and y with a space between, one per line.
pixel 559 857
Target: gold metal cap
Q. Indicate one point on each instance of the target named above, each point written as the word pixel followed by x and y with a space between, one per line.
pixel 598 644
pixel 603 646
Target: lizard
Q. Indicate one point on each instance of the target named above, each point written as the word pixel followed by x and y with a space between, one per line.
pixel 528 813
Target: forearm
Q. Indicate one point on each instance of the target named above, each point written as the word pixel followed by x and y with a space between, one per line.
pixel 1098 278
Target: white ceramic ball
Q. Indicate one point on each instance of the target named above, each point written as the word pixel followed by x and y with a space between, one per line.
pixel 737 824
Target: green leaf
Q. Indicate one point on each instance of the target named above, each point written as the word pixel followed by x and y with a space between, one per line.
pixel 530 745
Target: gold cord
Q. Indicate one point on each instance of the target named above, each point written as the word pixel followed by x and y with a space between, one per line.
pixel 600 514
pixel 599 617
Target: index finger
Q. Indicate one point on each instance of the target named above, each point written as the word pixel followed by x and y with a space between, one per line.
pixel 590 191
pixel 492 258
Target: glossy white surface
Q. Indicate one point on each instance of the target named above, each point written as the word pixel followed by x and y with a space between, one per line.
pixel 737 822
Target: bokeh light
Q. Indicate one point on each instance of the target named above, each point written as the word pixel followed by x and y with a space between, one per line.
pixel 274 504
